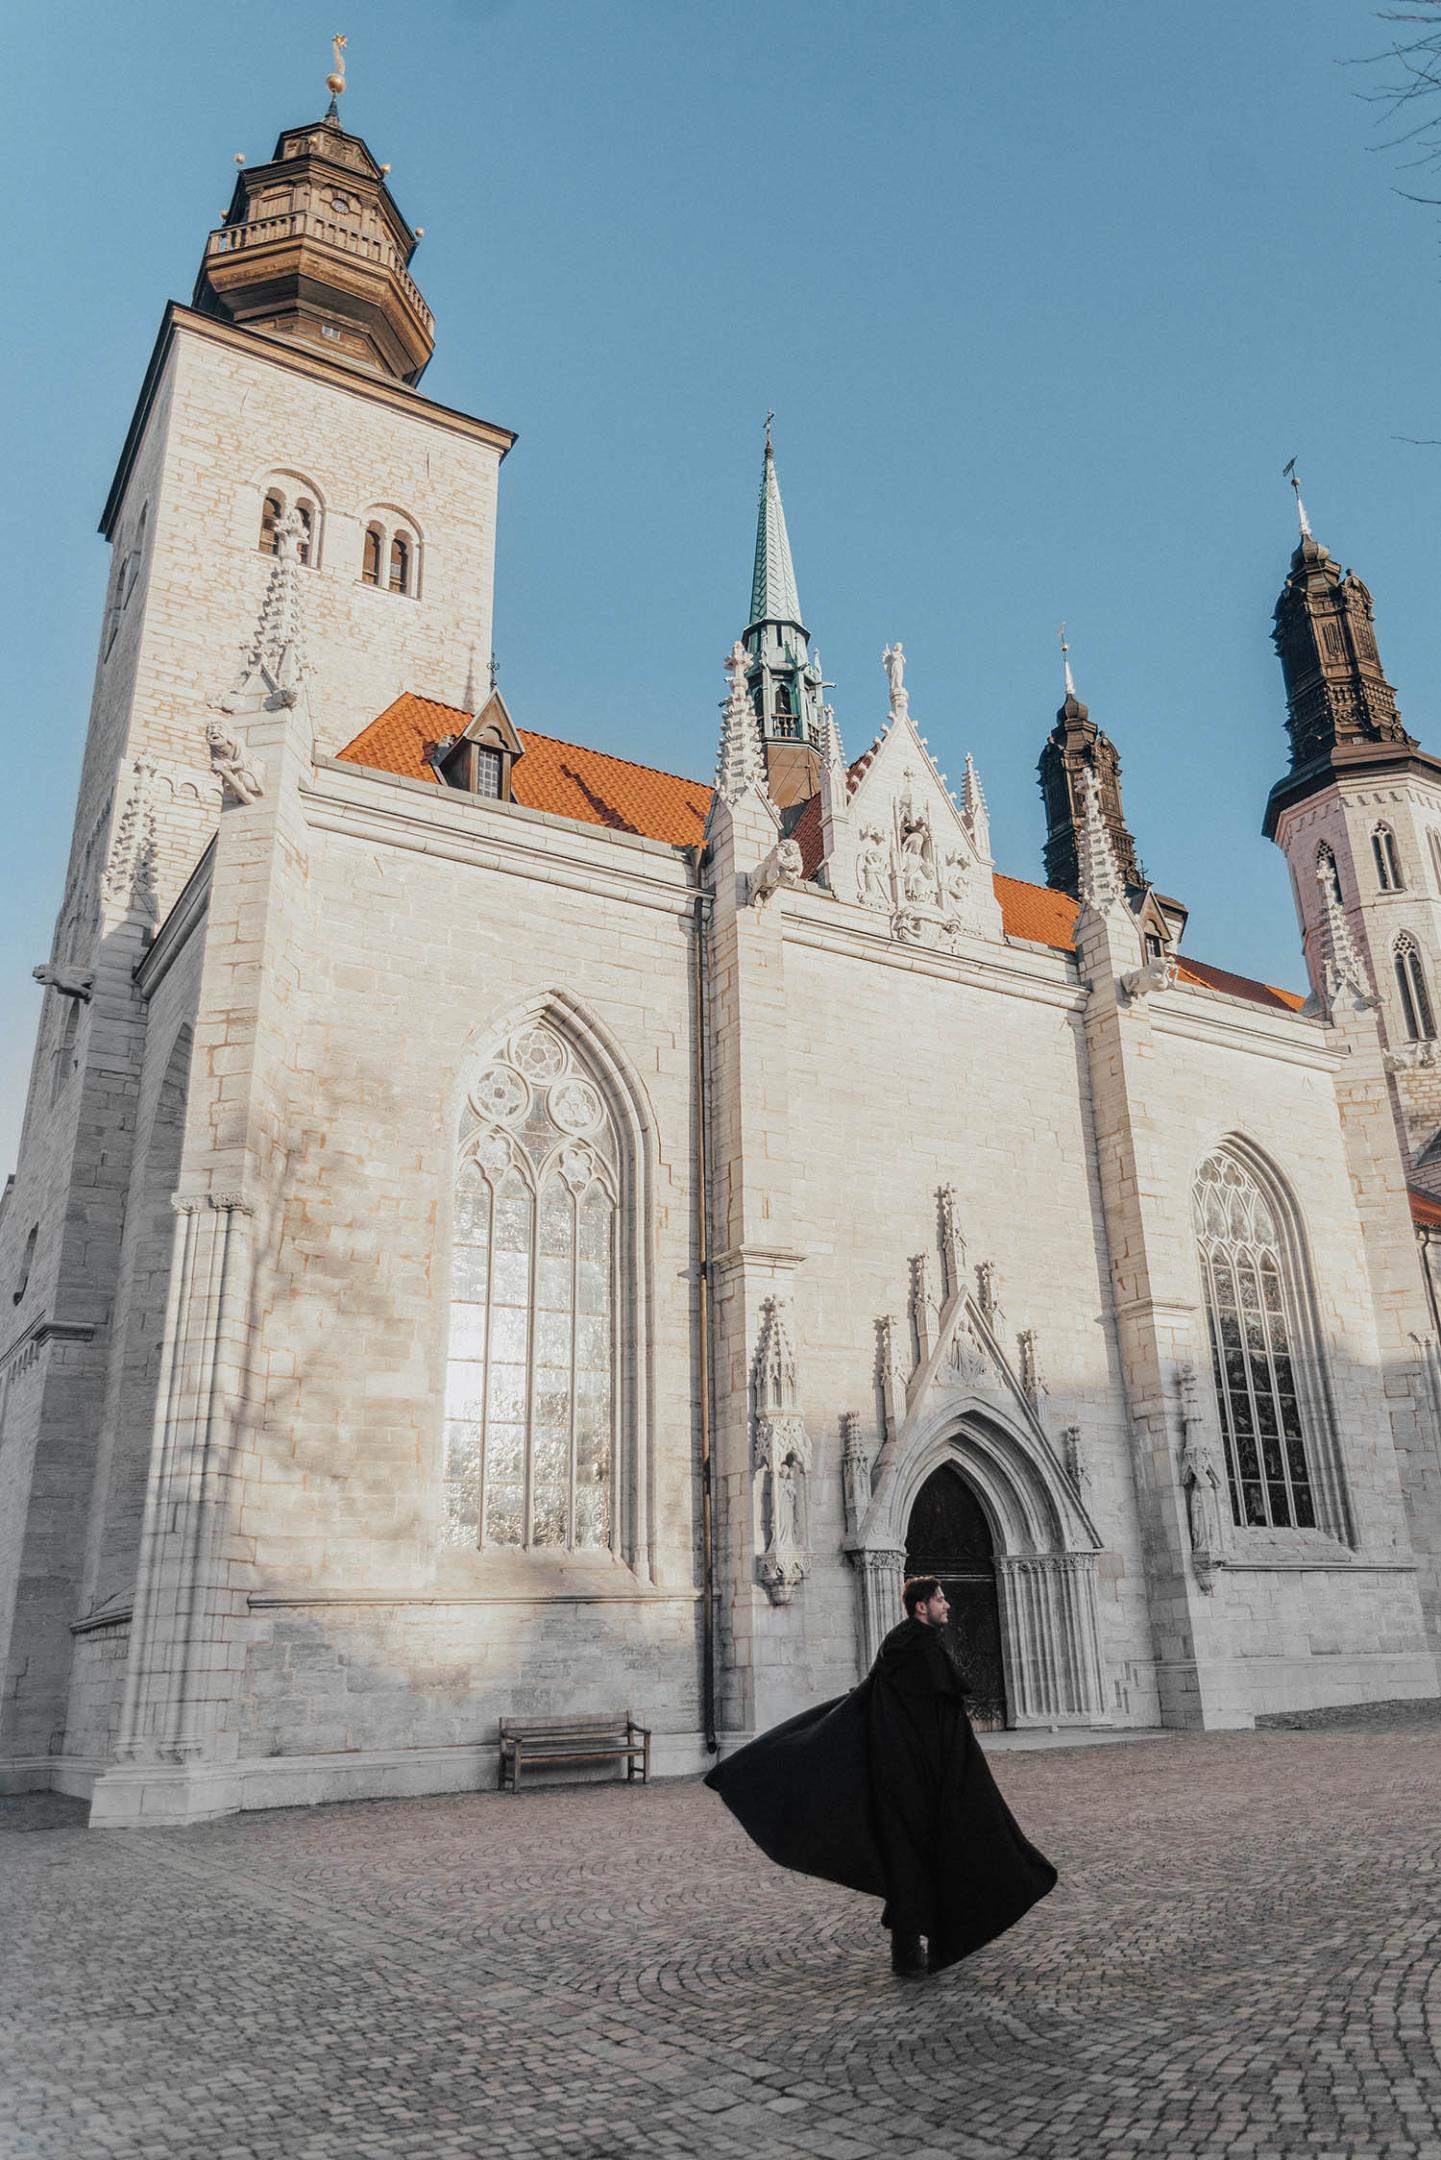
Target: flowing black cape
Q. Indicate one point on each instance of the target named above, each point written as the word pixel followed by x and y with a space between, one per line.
pixel 886 1790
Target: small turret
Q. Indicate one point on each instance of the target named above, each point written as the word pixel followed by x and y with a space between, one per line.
pixel 1076 749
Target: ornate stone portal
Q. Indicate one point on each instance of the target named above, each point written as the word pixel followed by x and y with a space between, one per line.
pixel 965 1402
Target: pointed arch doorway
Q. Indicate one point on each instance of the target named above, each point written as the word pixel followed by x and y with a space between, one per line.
pixel 949 1537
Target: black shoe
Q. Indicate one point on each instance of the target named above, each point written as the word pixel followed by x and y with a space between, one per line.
pixel 908 1959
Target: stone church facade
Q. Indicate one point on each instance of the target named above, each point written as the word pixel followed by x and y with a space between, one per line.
pixel 501 1231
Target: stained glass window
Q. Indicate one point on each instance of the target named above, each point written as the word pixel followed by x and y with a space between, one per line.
pixel 1253 1348
pixel 530 1401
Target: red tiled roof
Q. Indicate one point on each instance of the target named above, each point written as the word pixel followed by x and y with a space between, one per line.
pixel 561 777
pixel 1242 986
pixel 1425 1211
pixel 598 789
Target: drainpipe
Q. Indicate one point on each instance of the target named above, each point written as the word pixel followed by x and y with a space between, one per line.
pixel 703 1358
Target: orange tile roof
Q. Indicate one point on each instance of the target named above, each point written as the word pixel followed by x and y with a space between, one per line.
pixel 1425 1211
pixel 561 777
pixel 1242 986
pixel 598 789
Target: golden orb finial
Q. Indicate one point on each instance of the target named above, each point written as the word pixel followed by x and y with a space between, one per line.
pixel 335 80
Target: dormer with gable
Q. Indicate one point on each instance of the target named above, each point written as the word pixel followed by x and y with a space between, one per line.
pixel 481 757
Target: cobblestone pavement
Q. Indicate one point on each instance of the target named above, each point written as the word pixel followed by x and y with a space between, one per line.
pixel 1242 1959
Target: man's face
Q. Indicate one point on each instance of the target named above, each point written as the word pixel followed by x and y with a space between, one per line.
pixel 936 1610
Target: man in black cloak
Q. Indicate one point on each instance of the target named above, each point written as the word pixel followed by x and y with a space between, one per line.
pixel 887 1791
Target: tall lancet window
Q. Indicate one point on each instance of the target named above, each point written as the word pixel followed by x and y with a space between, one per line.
pixel 1326 866
pixel 1411 986
pixel 530 1434
pixel 1252 1299
pixel 1388 862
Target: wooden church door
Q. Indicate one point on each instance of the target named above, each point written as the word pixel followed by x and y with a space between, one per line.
pixel 948 1537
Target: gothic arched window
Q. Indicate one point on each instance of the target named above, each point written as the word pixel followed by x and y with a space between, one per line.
pixel 399 580
pixel 370 564
pixel 1411 985
pixel 1435 839
pixel 1326 865
pixel 530 1431
pixel 1388 862
pixel 272 510
pixel 1251 1309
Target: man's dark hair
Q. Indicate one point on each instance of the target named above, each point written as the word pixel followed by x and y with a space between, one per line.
pixel 918 1591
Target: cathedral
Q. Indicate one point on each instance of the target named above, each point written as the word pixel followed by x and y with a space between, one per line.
pixel 501 1232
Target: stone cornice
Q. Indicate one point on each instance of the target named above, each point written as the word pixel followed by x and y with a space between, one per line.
pixel 335 374
pixel 376 809
pixel 1360 762
pixel 1238 1024
pixel 42 1330
pixel 827 925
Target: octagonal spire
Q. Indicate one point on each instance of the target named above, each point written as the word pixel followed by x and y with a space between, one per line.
pixel 774 598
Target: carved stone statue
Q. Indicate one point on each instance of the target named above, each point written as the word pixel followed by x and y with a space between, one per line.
pixel 855 1472
pixel 893 660
pixel 228 761
pixel 873 869
pixel 785 865
pixel 918 881
pixel 1201 1481
pixel 65 981
pixel 954 875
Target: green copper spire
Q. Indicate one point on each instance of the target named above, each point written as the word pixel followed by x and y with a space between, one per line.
pixel 773 588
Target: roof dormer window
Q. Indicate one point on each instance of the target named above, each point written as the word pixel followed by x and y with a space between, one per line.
pixel 479 760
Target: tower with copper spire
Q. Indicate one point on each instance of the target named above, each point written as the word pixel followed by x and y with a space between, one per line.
pixel 784 677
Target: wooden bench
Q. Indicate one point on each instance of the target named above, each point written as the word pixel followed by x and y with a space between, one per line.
pixel 575 1739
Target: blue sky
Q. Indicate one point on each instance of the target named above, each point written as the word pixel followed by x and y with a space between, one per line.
pixel 1043 296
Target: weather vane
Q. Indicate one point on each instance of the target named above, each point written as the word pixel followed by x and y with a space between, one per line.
pixel 769 417
pixel 1289 472
pixel 335 80
pixel 1066 661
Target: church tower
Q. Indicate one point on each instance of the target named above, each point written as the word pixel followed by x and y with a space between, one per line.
pixel 278 418
pixel 1358 817
pixel 1075 746
pixel 783 678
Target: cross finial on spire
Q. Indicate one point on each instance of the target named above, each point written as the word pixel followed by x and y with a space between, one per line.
pixel 1066 662
pixel 1289 472
pixel 770 416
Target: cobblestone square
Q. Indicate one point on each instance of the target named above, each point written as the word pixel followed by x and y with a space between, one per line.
pixel 1241 1959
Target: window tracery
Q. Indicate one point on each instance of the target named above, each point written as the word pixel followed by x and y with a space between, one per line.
pixel 1412 990
pixel 1326 864
pixel 530 1432
pixel 1253 1325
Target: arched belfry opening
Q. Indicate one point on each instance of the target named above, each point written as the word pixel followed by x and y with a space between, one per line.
pixel 949 1536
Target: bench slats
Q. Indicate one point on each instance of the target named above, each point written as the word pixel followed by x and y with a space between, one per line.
pixel 584 1738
